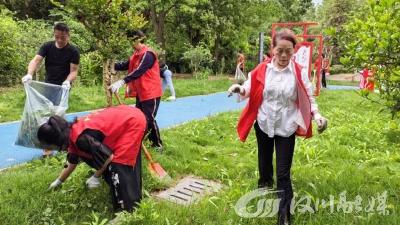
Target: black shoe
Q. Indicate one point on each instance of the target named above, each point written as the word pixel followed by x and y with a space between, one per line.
pixel 284 219
pixel 267 185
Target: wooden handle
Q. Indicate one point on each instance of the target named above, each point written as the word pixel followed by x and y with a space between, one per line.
pixel 148 156
pixel 118 99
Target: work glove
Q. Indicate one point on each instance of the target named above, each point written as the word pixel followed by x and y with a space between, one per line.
pixel 235 88
pixel 55 184
pixel 66 84
pixel 321 122
pixel 27 78
pixel 93 182
pixel 116 86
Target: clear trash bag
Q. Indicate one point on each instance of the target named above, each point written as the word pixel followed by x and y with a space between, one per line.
pixel 239 75
pixel 42 101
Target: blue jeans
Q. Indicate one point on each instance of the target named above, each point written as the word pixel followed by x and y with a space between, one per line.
pixel 167 81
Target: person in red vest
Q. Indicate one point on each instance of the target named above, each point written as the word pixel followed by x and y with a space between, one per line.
pixel 143 82
pixel 108 140
pixel 280 106
pixel 325 69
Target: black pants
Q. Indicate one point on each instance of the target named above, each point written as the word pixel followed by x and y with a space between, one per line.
pixel 284 155
pixel 323 78
pixel 125 184
pixel 150 108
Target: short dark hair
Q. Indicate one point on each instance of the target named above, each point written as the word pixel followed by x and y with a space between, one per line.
pixel 135 35
pixel 284 34
pixel 61 27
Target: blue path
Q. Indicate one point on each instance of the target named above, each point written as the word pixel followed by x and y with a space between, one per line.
pixel 169 114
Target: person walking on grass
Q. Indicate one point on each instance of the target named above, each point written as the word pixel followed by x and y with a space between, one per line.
pixel 281 106
pixel 143 82
pixel 166 76
pixel 108 140
pixel 61 62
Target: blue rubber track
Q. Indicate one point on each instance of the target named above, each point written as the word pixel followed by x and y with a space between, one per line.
pixel 169 114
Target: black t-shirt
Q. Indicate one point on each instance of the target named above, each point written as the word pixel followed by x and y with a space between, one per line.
pixel 58 60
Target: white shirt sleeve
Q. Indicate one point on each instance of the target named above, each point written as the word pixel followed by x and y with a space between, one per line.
pixel 246 86
pixel 309 89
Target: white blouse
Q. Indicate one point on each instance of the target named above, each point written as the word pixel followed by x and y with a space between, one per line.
pixel 278 113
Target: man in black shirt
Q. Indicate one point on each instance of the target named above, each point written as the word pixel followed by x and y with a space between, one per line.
pixel 61 61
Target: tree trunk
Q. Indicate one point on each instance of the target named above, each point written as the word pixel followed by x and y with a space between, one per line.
pixel 158 22
pixel 107 81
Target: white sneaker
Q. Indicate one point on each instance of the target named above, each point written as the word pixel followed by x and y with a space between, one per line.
pixel 171 98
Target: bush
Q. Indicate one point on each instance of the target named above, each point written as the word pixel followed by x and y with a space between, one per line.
pixel 33 34
pixel 199 57
pixel 337 69
pixel 90 69
pixel 11 60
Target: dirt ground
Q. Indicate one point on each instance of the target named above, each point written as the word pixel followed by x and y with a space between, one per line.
pixel 344 77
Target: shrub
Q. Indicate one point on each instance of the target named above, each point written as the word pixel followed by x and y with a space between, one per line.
pixel 90 69
pixel 199 57
pixel 11 59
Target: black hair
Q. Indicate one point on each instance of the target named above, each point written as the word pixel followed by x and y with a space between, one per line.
pixel 54 132
pixel 135 35
pixel 61 27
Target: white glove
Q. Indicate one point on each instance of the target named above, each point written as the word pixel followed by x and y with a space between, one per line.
pixel 93 182
pixel 66 84
pixel 55 184
pixel 116 85
pixel 321 122
pixel 235 88
pixel 27 78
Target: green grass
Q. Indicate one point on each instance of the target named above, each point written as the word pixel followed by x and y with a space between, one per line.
pixel 345 83
pixel 12 100
pixel 357 154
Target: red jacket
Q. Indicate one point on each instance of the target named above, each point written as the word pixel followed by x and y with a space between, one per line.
pixel 123 127
pixel 249 114
pixel 147 86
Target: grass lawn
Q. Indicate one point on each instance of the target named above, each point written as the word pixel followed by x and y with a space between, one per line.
pixel 358 155
pixel 12 100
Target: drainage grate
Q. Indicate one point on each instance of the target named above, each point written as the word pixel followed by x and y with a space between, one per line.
pixel 189 190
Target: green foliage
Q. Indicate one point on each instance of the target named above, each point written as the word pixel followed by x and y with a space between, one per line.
pixel 333 15
pixel 35 9
pixel 372 40
pixel 90 69
pixel 108 21
pixel 199 57
pixel 80 36
pixel 336 69
pixel 11 60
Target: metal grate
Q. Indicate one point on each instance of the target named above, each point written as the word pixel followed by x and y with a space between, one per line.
pixel 189 190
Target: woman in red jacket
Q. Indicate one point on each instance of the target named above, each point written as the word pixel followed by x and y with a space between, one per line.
pixel 108 140
pixel 280 106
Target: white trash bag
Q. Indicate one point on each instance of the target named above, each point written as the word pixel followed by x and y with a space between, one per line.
pixel 42 101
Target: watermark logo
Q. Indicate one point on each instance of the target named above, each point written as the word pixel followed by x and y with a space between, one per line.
pixel 264 203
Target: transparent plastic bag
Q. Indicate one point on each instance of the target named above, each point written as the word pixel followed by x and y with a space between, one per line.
pixel 239 75
pixel 42 101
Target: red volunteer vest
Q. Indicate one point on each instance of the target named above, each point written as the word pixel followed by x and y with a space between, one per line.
pixel 147 86
pixel 249 114
pixel 121 125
